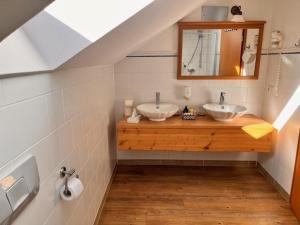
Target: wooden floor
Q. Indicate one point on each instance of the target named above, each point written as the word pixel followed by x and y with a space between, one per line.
pixel 158 195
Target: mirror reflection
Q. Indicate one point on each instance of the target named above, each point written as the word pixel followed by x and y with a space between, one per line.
pixel 219 52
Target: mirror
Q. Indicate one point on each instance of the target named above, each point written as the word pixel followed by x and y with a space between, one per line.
pixel 219 50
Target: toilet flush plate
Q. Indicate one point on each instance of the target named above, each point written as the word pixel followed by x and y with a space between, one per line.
pixel 17 193
pixel 18 186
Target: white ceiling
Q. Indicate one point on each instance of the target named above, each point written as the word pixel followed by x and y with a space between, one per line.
pixel 50 42
pixel 14 13
pixel 60 31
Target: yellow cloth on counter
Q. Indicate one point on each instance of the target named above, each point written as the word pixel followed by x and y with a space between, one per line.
pixel 257 131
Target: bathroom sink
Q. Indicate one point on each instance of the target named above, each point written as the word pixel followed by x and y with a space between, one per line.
pixel 224 112
pixel 157 112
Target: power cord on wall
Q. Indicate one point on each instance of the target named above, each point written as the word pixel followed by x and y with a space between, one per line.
pixel 278 75
pixel 277 43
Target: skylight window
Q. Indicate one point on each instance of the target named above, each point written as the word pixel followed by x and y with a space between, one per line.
pixel 94 18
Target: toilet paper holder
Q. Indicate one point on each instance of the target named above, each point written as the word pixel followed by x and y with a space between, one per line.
pixel 64 173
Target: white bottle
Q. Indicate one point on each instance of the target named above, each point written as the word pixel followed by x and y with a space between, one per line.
pixel 128 107
pixel 187 92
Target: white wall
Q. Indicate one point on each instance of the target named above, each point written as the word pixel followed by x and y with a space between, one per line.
pixel 19 55
pixel 138 78
pixel 280 163
pixel 63 118
pixel 54 40
pixel 166 41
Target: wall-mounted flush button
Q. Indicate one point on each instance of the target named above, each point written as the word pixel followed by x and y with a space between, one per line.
pixel 19 184
pixel 5 209
pixel 17 193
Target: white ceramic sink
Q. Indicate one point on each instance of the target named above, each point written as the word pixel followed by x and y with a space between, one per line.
pixel 224 113
pixel 154 113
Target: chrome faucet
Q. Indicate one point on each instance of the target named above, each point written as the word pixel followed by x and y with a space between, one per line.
pixel 222 98
pixel 157 101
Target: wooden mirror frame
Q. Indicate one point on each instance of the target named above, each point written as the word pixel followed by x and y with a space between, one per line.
pixel 220 25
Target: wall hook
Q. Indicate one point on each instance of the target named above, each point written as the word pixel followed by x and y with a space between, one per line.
pixel 63 172
pixel 297 44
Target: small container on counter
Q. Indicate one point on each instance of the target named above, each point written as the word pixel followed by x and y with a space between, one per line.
pixel 189 113
pixel 128 108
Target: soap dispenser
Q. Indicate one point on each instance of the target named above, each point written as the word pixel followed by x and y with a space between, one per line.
pixel 185 110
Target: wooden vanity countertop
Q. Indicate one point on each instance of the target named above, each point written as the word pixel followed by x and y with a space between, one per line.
pixel 200 122
pixel 203 134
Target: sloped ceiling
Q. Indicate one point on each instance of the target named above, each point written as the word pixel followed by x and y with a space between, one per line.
pixel 62 30
pixel 47 42
pixel 131 34
pixel 14 13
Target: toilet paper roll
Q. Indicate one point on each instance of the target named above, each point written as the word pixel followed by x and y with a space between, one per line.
pixel 75 187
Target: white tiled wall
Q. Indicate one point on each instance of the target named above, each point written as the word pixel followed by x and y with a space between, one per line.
pixel 63 118
pixel 138 78
pixel 280 163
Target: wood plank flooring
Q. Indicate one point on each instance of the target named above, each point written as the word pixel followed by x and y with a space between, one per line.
pixel 171 195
